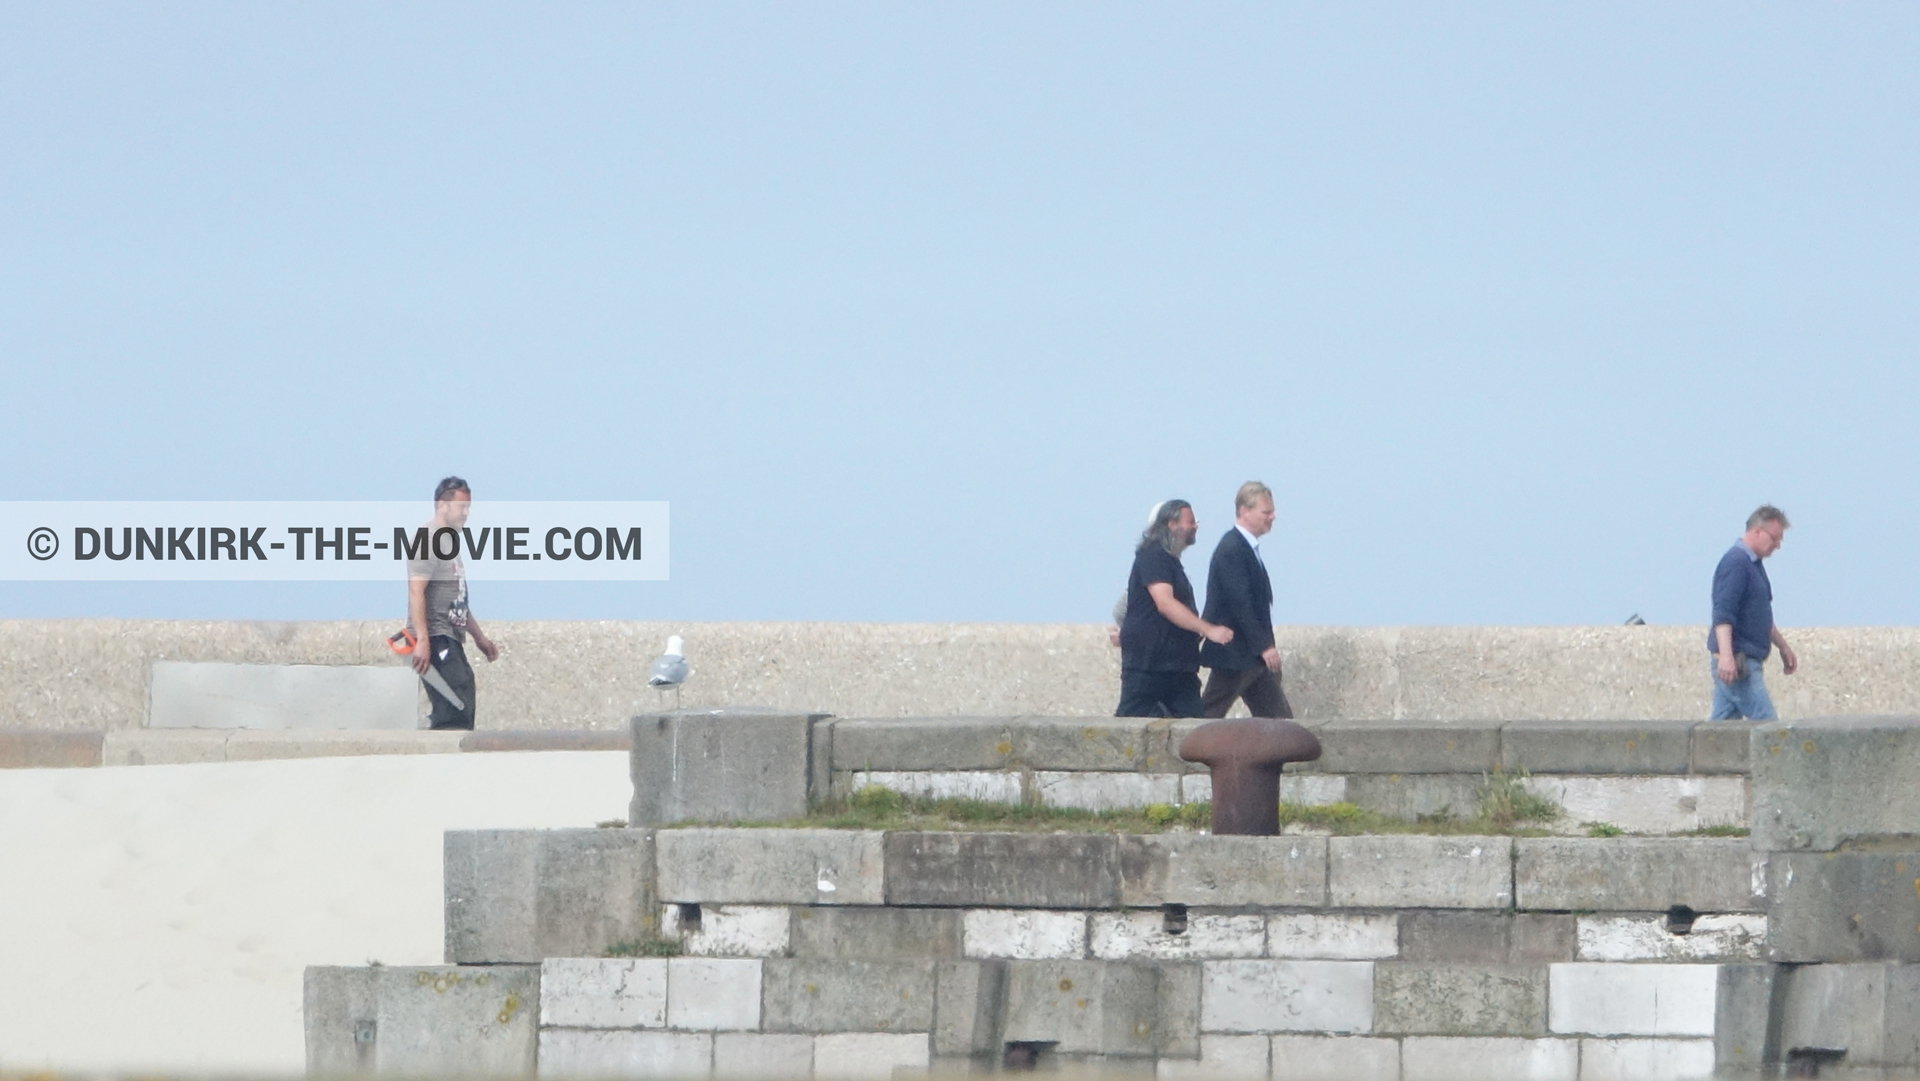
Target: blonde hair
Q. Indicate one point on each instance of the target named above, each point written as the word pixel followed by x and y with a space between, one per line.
pixel 1250 493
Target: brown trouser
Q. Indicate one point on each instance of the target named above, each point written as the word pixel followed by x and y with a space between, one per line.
pixel 1258 686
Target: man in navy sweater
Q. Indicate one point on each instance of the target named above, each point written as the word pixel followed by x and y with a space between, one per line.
pixel 1743 633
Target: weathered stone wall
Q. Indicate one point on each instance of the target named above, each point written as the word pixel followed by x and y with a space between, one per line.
pixel 555 675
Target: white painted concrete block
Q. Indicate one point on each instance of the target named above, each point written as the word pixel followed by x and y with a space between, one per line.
pixel 1307 935
pixel 1307 789
pixel 569 1053
pixel 1335 1058
pixel 1286 996
pixel 1488 1058
pixel 202 694
pixel 592 992
pixel 991 786
pixel 1023 934
pixel 731 930
pixel 1632 1000
pixel 869 1056
pixel 1106 791
pixel 1121 936
pixel 1726 937
pixel 762 1056
pixel 1647 804
pixel 1645 1060
pixel 1222 1058
pixel 713 994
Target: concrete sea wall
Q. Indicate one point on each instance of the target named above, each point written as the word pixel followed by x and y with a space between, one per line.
pixel 96 674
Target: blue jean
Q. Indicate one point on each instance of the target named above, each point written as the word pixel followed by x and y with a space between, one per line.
pixel 1745 697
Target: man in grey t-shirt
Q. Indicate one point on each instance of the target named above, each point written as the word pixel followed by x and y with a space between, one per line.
pixel 437 601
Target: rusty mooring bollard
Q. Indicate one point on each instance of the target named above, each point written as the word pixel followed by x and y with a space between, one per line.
pixel 1245 756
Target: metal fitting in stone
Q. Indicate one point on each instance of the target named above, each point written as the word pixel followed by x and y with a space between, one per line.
pixel 1245 756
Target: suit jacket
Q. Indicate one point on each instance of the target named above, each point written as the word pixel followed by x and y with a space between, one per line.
pixel 1239 595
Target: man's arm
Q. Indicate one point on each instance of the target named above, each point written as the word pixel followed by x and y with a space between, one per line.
pixel 1728 589
pixel 486 644
pixel 1789 661
pixel 1182 617
pixel 417 619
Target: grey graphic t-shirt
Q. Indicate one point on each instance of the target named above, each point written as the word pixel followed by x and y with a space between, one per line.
pixel 446 595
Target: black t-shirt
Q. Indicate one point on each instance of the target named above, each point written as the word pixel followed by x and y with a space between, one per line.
pixel 1148 643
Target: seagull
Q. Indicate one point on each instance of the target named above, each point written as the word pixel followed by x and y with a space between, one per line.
pixel 670 670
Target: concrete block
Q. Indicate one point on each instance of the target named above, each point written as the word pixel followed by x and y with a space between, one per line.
pixel 1488 1058
pixel 730 930
pixel 50 748
pixel 922 744
pixel 577 739
pixel 593 992
pixel 1003 870
pixel 526 895
pixel 1180 1004
pixel 1303 789
pixel 1646 938
pixel 1222 1058
pixel 967 997
pixel 1413 871
pixel 1721 747
pixel 1743 1016
pixel 341 1007
pixel 713 994
pixel 1459 1000
pixel 868 1056
pixel 1844 906
pixel 423 1020
pixel 1486 938
pixel 1646 1060
pixel 569 1053
pixel 1332 936
pixel 1619 747
pixel 1287 996
pixel 244 745
pixel 1201 869
pixel 1869 1011
pixel 763 866
pixel 990 786
pixel 1128 936
pixel 144 747
pixel 1352 746
pixel 1106 791
pixel 1639 874
pixel 200 694
pixel 762 1056
pixel 1334 1058
pixel 1025 934
pixel 1826 780
pixel 820 761
pixel 1084 1007
pixel 1412 795
pixel 876 933
pixel 721 766
pixel 1647 804
pixel 1633 1000
pixel 1107 744
pixel 849 996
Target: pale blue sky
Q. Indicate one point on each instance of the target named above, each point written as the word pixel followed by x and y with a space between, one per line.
pixel 912 311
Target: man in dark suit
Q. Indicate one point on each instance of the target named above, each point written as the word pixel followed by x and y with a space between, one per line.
pixel 1240 596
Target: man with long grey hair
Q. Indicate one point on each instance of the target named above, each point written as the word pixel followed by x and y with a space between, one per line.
pixel 1160 638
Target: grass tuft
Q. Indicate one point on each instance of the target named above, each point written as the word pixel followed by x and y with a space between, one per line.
pixel 645 947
